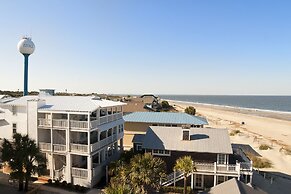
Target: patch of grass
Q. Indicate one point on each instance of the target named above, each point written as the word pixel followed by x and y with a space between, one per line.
pixel 264 147
pixel 259 162
pixel 234 132
pixel 286 150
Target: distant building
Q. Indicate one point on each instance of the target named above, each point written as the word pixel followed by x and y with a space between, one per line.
pixel 149 98
pixel 138 122
pixel 79 136
pixel 215 159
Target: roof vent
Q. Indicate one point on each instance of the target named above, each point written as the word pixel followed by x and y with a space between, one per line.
pixel 96 98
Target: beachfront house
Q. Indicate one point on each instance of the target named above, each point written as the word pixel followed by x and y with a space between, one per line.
pixel 137 123
pixel 78 135
pixel 215 159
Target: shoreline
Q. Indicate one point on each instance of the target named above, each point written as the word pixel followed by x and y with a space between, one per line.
pixel 280 115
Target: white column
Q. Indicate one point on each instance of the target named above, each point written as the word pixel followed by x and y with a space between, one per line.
pixel 192 181
pixel 89 124
pixel 68 168
pixel 89 167
pixel 174 178
pixel 51 128
pixel 52 166
pixel 214 182
pixel 68 135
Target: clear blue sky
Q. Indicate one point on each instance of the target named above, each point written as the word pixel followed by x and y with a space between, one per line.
pixel 156 46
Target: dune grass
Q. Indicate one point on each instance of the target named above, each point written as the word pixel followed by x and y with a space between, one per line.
pixel 234 132
pixel 259 162
pixel 265 147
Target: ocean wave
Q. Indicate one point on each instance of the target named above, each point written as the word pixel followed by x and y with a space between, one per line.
pixel 231 107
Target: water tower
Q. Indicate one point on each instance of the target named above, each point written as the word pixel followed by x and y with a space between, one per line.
pixel 26 47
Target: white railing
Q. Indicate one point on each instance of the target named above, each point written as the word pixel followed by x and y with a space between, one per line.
pixel 246 166
pixel 204 167
pixel 118 116
pixel 103 120
pixel 44 146
pixel 94 123
pixel 173 177
pixel 63 123
pixel 214 167
pixel 79 124
pixel 114 136
pixel 79 148
pixel 80 172
pixel 59 173
pixel 59 148
pixel 109 118
pixel 44 122
pixel 120 135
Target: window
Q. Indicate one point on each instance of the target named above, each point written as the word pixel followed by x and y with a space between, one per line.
pixel 186 135
pixel 14 110
pixel 138 147
pixel 109 111
pixel 221 158
pixel 220 179
pixel 161 152
pixel 102 112
pixel 120 128
pixel 198 181
pixel 14 128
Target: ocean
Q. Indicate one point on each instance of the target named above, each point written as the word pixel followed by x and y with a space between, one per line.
pixel 267 103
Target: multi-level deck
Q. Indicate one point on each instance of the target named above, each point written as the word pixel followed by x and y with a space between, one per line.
pixel 241 169
pixel 78 145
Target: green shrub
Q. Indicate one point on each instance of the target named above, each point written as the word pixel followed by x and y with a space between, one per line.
pixel 165 104
pixel 57 182
pixel 234 132
pixel 286 150
pixel 77 187
pixel 264 147
pixel 190 110
pixel 70 186
pixel 64 184
pixel 259 162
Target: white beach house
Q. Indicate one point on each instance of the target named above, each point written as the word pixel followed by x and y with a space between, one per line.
pixel 78 135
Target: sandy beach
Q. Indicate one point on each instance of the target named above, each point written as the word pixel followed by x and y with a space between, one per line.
pixel 255 128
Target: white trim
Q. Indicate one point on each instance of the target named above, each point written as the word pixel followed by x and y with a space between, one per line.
pixel 161 152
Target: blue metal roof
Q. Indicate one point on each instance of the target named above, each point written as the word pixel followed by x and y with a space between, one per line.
pixel 164 118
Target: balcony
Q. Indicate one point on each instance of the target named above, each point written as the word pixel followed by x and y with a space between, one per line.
pixel 110 118
pixel 80 148
pixel 78 125
pixel 60 123
pixel 80 173
pixel 44 146
pixel 44 122
pixel 59 148
pixel 223 168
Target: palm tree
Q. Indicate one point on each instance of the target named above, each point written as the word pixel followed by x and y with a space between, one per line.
pixel 34 162
pixel 186 166
pixel 23 157
pixel 146 172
